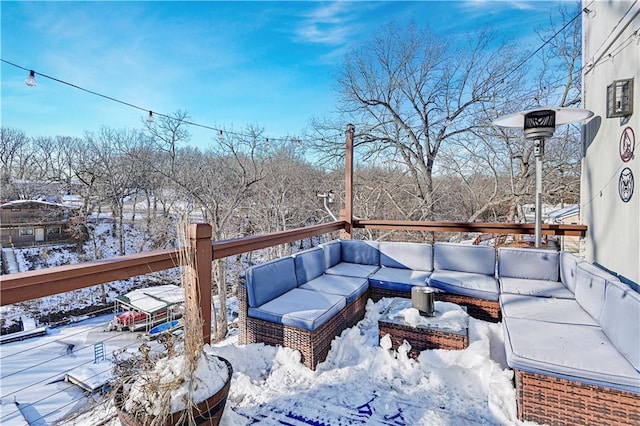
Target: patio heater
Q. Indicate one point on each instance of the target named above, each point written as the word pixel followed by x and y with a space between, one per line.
pixel 539 124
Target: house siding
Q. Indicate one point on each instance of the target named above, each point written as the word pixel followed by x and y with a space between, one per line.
pixel 610 52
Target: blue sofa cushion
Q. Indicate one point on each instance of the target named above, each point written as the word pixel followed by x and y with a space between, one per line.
pixel 465 284
pixel 620 320
pixel 464 258
pixel 590 288
pixel 332 253
pixel 349 287
pixel 416 256
pixel 400 279
pixel 562 311
pixel 309 264
pixel 359 251
pixel 270 280
pixel 528 263
pixel 300 308
pixel 352 269
pixel 577 352
pixel 531 287
pixel 569 269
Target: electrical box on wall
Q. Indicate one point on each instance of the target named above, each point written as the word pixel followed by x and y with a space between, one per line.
pixel 620 98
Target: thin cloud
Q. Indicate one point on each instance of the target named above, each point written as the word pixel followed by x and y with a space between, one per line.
pixel 328 24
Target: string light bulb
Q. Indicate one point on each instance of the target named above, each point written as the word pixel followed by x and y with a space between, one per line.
pixel 150 118
pixel 31 80
pixel 221 136
pixel 589 12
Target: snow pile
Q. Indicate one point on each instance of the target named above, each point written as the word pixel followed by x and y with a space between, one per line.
pixel 364 381
pixel 209 377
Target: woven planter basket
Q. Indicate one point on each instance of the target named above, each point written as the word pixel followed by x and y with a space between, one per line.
pixel 207 413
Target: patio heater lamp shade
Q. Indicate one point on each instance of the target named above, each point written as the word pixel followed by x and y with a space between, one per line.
pixel 538 124
pixel 535 120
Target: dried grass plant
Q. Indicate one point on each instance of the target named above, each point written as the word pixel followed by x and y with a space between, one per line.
pixel 157 388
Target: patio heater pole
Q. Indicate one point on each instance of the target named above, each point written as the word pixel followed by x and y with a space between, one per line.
pixel 538 153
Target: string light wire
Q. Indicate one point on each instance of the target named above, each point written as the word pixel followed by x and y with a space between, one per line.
pixel 147 110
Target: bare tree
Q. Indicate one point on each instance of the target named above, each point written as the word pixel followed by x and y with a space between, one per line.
pixel 414 90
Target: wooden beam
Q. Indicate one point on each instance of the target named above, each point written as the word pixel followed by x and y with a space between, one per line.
pixel 348 185
pixel 484 227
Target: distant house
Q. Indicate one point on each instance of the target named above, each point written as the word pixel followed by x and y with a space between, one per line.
pixel 568 215
pixel 32 222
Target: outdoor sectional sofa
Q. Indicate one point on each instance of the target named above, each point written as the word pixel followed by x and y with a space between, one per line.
pixel 572 338
pixel 571 330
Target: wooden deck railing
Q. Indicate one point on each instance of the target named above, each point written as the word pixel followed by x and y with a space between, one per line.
pixel 484 227
pixel 29 285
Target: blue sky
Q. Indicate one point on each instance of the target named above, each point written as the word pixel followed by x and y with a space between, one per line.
pixel 228 64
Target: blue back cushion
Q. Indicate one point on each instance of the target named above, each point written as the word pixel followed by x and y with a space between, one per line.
pixel 309 264
pixel 332 253
pixel 464 258
pixel 528 263
pixel 362 252
pixel 620 320
pixel 414 256
pixel 272 279
pixel 569 269
pixel 590 288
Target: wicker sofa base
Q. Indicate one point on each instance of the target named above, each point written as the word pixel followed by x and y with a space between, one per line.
pixel 312 345
pixel 555 401
pixel 486 310
pixel 421 339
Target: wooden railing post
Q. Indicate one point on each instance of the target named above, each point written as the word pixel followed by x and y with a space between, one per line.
pixel 347 215
pixel 200 243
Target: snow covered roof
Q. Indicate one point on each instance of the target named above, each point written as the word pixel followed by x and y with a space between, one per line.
pixel 559 214
pixel 153 299
pixel 22 202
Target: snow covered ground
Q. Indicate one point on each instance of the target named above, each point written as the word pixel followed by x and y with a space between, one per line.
pixel 361 382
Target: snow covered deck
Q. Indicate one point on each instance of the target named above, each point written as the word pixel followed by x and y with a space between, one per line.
pixel 361 382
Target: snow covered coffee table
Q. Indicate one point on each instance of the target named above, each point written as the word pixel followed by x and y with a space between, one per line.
pixel 448 329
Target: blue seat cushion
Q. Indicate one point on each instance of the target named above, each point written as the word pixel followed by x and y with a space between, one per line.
pixel 300 308
pixel 620 320
pixel 398 278
pixel 577 352
pixel 270 280
pixel 464 258
pixel 310 264
pixel 538 288
pixel 528 263
pixel 417 256
pixel 349 287
pixel 465 284
pixel 352 269
pixel 562 311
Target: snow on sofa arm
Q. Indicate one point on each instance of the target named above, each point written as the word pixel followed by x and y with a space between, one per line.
pixel 531 272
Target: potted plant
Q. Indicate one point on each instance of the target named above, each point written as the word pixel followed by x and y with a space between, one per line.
pixel 188 384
